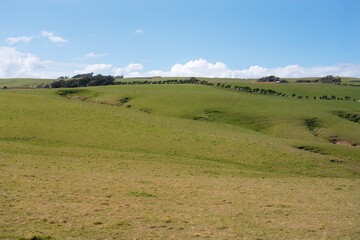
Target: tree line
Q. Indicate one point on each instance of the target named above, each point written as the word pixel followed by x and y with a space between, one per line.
pixel 354 117
pixel 191 80
pixel 88 79
pixel 330 79
pixel 281 94
pixel 272 79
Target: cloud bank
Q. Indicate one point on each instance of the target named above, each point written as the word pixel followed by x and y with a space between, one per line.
pixel 202 68
pixel 14 63
pixel 17 64
pixel 131 70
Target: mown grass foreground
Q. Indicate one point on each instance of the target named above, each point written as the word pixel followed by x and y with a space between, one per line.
pixel 178 162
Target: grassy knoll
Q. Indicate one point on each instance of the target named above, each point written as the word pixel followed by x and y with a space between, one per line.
pixel 275 116
pixel 22 82
pixel 309 89
pixel 177 162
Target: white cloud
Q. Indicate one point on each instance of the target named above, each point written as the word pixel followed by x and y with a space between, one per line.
pixel 94 55
pixel 202 68
pixel 53 37
pixel 17 64
pixel 131 70
pixel 139 31
pixel 23 39
pixel 199 68
pixel 49 35
pixel 96 69
pixel 296 71
pixel 14 63
pixel 91 55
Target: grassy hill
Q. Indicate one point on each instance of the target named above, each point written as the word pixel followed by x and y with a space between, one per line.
pixel 22 82
pixel 180 162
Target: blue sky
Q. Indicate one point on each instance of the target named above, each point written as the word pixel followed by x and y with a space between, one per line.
pixel 216 38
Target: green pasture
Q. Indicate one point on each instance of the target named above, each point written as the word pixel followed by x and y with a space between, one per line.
pixel 23 82
pixel 178 162
pixel 270 115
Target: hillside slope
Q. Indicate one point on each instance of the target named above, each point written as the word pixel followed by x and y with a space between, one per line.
pixel 175 161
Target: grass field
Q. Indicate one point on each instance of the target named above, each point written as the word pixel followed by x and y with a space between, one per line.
pixel 22 82
pixel 178 162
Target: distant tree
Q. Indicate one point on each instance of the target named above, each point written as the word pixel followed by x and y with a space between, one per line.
pixel 330 79
pixel 83 80
pixel 100 80
pixel 270 79
pixel 84 75
pixel 303 81
pixel 193 80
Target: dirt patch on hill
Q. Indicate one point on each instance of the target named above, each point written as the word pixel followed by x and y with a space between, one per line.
pixel 340 141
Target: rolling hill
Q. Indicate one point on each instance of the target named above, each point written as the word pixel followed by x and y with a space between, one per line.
pixel 179 162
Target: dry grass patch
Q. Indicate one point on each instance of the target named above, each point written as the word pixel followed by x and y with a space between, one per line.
pixel 109 198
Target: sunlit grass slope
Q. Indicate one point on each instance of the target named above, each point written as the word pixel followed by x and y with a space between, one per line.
pixel 274 116
pixel 175 162
pixel 23 82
